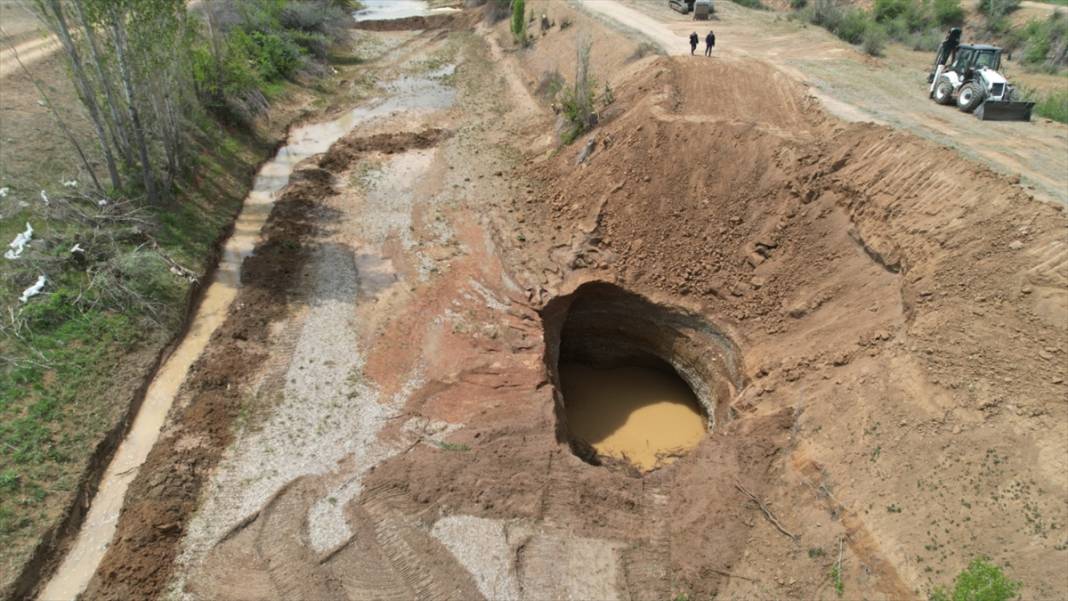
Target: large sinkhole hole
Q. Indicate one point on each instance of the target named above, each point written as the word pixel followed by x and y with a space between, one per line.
pixel 638 384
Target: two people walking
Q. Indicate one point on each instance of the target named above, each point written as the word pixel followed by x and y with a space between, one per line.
pixel 710 42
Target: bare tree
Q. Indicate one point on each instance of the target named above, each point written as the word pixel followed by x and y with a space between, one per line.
pixel 118 31
pixel 85 89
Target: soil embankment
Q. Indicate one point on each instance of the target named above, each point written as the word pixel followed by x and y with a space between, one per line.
pixel 872 324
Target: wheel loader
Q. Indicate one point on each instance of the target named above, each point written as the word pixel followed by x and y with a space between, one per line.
pixel 967 74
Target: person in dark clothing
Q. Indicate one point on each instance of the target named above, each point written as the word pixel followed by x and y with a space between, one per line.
pixel 693 42
pixel 946 51
pixel 710 41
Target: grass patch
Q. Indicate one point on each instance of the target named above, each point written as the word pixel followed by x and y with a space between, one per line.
pixel 73 355
pixel 1053 105
pixel 980 581
pixel 836 579
pixel 915 23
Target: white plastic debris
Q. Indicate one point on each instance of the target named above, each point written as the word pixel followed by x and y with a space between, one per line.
pixel 77 248
pixel 44 197
pixel 4 191
pixel 19 243
pixel 42 103
pixel 71 183
pixel 33 290
pixel 102 203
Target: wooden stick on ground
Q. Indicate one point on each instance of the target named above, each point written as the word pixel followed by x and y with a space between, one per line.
pixel 730 575
pixel 767 512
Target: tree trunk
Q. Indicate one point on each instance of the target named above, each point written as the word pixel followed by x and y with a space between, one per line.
pixel 86 91
pixel 119 35
pixel 117 123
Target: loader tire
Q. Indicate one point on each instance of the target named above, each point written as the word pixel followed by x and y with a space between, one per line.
pixel 970 97
pixel 943 92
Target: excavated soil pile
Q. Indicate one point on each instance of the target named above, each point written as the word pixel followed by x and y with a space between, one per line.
pixel 355 145
pixel 869 278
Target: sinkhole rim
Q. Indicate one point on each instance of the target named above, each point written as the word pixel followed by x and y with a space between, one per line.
pixel 602 324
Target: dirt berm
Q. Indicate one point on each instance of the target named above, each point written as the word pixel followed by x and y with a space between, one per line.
pixel 908 306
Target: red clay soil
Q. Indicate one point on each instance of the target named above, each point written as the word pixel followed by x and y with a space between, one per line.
pixel 849 262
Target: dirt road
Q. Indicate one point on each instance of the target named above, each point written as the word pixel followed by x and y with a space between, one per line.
pixel 856 87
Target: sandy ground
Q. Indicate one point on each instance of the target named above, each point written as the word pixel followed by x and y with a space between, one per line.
pixel 856 87
pixel 380 416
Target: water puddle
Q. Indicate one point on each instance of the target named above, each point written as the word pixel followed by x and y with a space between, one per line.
pixel 646 417
pixel 381 10
pixel 406 95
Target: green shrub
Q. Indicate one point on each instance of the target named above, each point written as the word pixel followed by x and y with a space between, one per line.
pixel 853 25
pixel 926 41
pixel 824 13
pixel 1043 43
pixel 886 10
pixel 947 13
pixel 1053 105
pixel 519 21
pixel 798 4
pixel 146 274
pixel 874 39
pixel 754 4
pixel 981 581
pixel 995 9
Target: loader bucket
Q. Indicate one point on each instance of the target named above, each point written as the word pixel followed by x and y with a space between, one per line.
pixel 1004 111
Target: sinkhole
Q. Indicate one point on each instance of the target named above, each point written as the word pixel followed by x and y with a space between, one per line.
pixel 638 384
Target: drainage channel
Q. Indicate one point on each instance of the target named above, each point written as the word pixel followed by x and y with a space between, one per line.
pixel 76 570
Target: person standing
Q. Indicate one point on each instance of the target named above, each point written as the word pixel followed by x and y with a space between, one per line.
pixel 693 42
pixel 710 41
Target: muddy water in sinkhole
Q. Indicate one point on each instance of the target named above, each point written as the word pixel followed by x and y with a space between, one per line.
pixel 644 416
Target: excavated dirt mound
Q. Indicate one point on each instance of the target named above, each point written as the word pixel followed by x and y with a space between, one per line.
pixel 910 303
pixel 355 145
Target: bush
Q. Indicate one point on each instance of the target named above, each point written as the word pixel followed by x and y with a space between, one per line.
pixel 1053 105
pixel 1044 43
pixel 874 40
pixel 886 10
pixel 947 13
pixel 798 4
pixel 981 581
pixel 995 9
pixel 824 13
pixel 519 21
pixel 576 101
pixel 926 41
pixel 853 25
pixel 754 4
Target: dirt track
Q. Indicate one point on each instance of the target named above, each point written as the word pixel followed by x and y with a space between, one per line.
pixel 856 87
pixel 875 324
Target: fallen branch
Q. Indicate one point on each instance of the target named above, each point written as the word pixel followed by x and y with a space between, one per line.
pixel 767 512
pixel 730 575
